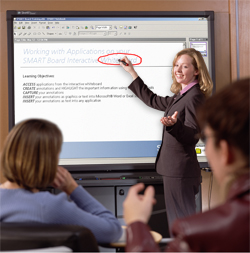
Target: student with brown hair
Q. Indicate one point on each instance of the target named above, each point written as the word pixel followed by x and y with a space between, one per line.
pixel 176 160
pixel 225 120
pixel 29 162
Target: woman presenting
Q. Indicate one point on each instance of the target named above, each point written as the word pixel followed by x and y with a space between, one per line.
pixel 176 160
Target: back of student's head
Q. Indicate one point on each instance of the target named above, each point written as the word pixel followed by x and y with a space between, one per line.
pixel 227 114
pixel 30 154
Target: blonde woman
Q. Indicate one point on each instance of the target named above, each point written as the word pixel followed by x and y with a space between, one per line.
pixel 177 160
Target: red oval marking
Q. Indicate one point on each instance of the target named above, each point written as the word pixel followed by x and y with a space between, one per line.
pixel 118 63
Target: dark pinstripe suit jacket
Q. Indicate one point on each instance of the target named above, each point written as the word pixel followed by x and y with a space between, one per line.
pixel 177 156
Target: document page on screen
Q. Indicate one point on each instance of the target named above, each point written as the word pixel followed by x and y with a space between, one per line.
pixel 77 82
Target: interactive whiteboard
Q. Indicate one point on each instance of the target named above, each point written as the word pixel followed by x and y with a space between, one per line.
pixel 63 66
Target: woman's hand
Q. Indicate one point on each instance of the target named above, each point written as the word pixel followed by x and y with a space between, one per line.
pixel 64 181
pixel 169 120
pixel 137 207
pixel 129 68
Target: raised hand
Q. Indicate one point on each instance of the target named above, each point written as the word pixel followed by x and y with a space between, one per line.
pixel 129 68
pixel 137 207
pixel 64 181
pixel 169 120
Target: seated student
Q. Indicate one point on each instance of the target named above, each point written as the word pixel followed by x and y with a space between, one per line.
pixel 225 121
pixel 29 162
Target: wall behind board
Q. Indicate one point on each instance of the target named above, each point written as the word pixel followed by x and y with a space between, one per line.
pixel 225 34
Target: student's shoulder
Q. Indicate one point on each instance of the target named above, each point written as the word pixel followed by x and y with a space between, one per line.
pixel 48 196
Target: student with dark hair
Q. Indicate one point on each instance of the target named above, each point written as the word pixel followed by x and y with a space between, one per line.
pixel 224 119
pixel 29 162
pixel 176 160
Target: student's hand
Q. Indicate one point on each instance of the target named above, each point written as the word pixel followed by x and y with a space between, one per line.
pixel 129 68
pixel 137 207
pixel 64 181
pixel 169 120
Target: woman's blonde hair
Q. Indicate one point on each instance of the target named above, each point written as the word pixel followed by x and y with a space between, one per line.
pixel 203 77
pixel 30 153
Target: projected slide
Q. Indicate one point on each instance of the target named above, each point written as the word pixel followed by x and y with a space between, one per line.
pixel 83 89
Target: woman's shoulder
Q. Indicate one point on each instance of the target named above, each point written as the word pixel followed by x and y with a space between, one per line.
pixel 195 90
pixel 14 192
pixel 23 192
pixel 23 197
pixel 51 196
pixel 195 96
